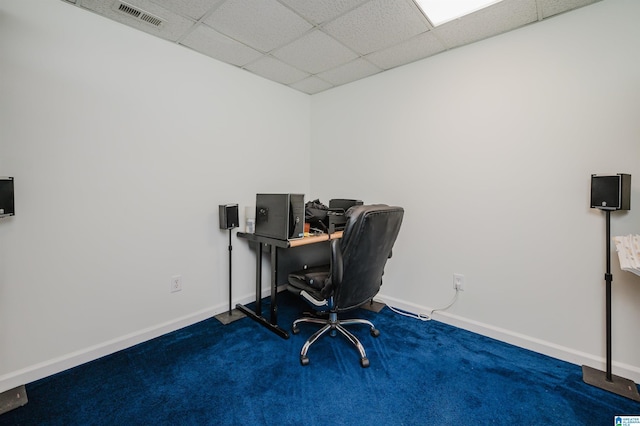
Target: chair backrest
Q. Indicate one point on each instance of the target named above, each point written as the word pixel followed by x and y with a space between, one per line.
pixel 365 246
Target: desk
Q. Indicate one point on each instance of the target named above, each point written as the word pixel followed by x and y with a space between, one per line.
pixel 309 253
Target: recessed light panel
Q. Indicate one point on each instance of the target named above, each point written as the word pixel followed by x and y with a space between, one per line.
pixel 441 11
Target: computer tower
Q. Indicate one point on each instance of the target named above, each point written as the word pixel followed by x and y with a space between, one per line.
pixel 611 192
pixel 280 216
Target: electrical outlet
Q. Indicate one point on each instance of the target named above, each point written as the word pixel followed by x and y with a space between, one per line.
pixel 458 282
pixel 176 283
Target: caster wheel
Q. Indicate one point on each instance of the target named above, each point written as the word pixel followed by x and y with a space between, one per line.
pixel 375 332
pixel 364 362
pixel 304 360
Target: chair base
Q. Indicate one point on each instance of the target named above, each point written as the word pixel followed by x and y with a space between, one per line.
pixel 333 326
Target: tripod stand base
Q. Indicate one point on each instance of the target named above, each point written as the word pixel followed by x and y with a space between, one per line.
pixel 618 385
pixel 230 316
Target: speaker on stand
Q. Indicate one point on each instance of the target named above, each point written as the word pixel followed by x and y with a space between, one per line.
pixel 229 220
pixel 610 193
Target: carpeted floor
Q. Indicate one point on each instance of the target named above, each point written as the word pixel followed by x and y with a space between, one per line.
pixel 421 373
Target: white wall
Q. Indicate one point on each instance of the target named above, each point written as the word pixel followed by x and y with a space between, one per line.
pixel 123 146
pixel 490 148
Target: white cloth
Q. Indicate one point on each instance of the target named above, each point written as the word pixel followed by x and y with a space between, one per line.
pixel 628 248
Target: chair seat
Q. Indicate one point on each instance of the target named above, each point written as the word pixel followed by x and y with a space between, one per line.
pixel 310 281
pixel 314 277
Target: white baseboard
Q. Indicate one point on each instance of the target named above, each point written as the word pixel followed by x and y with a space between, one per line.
pixel 73 359
pixel 553 350
pixel 59 364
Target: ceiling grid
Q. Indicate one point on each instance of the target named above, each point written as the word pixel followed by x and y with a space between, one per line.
pixel 314 45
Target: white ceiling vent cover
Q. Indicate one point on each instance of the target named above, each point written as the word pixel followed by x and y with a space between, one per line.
pixel 139 14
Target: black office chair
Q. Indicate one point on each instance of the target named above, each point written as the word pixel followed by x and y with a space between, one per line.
pixel 354 276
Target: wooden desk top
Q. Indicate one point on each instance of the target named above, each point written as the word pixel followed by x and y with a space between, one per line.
pixel 315 239
pixel 290 243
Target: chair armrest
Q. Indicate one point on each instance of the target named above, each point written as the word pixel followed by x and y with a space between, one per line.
pixel 336 263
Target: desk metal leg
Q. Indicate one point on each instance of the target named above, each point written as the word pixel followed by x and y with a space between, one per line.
pixel 257 314
pixel 259 280
pixel 274 285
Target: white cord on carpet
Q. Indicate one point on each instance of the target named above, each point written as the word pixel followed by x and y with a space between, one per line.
pixel 422 317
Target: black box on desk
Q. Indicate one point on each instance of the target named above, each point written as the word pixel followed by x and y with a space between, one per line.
pixel 280 216
pixel 611 192
pixel 343 204
pixel 336 215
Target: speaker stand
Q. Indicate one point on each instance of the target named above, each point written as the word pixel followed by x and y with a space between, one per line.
pixel 233 314
pixel 604 379
pixel 12 399
pixel 373 306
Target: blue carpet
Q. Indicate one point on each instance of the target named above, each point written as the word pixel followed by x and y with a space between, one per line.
pixel 421 373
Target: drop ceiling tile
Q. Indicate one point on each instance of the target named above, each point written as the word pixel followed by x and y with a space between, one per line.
pixel 378 24
pixel 276 70
pixel 496 19
pixel 172 27
pixel 421 46
pixel 261 24
pixel 194 9
pixel 352 71
pixel 315 52
pixel 312 85
pixel 553 7
pixel 384 33
pixel 205 40
pixel 319 11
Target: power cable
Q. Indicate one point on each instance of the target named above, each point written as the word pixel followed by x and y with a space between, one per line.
pixel 421 316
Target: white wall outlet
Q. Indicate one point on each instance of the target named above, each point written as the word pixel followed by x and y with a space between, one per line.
pixel 176 283
pixel 458 282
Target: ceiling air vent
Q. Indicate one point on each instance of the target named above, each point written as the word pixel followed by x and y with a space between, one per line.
pixel 139 14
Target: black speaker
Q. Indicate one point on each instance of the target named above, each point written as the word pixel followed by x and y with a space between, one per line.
pixel 228 216
pixel 611 192
pixel 7 205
